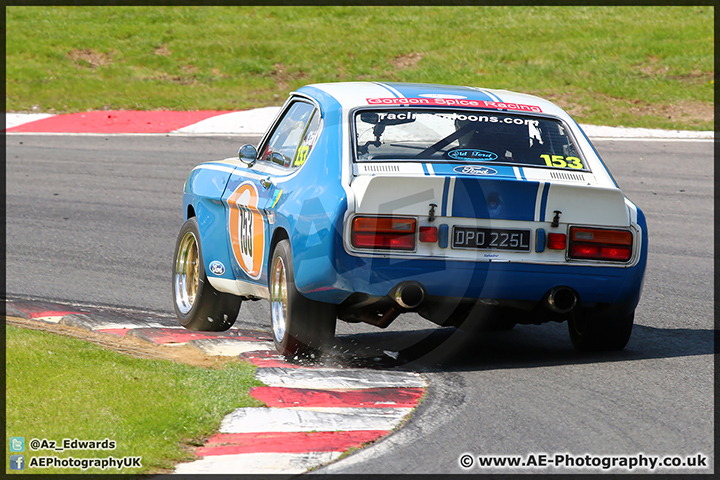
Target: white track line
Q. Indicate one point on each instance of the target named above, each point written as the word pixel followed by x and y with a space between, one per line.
pixel 259 463
pixel 338 379
pixel 260 420
pixel 15 119
pixel 227 347
pixel 248 122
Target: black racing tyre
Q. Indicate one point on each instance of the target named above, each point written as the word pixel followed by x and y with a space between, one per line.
pixel 198 305
pixel 501 324
pixel 593 334
pixel 301 327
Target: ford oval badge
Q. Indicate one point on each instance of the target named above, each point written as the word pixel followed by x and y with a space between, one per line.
pixel 474 170
pixel 217 268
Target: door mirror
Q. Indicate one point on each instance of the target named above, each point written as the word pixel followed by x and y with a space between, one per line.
pixel 248 155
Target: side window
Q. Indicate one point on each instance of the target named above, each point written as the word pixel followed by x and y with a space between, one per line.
pixel 282 148
pixel 309 139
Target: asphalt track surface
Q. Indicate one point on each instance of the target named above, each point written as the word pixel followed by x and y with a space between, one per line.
pixel 92 219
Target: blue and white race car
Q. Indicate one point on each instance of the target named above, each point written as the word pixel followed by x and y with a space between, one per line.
pixel 367 200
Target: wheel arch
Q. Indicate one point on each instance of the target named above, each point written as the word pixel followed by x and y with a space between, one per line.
pixel 200 307
pixel 278 235
pixel 212 227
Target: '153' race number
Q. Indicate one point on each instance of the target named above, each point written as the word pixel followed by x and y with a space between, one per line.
pixel 561 161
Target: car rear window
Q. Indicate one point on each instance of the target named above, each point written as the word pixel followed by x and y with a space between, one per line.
pixel 460 136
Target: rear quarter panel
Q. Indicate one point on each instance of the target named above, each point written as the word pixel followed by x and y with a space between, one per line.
pixel 313 206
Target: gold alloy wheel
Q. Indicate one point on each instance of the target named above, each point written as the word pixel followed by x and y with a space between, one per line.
pixel 187 273
pixel 278 299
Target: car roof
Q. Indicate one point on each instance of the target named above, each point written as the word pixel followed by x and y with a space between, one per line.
pixel 347 95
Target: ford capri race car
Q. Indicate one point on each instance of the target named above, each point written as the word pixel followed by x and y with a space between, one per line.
pixel 367 200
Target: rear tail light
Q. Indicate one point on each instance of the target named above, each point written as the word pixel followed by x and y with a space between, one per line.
pixel 600 244
pixel 387 233
pixel 429 234
pixel 557 241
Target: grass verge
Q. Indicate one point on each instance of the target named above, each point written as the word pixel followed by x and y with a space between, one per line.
pixel 60 388
pixel 634 66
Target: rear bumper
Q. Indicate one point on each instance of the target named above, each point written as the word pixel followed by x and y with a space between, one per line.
pixel 617 288
pixel 485 280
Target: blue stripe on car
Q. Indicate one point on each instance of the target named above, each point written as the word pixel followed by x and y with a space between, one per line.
pixel 388 87
pixel 494 98
pixel 446 192
pixel 543 202
pixel 494 199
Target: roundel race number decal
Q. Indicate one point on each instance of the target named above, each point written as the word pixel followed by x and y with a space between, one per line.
pixel 247 234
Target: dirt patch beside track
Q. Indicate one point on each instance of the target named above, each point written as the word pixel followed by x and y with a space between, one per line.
pixel 128 346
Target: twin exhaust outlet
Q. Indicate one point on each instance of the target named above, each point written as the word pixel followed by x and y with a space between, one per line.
pixel 409 295
pixel 561 299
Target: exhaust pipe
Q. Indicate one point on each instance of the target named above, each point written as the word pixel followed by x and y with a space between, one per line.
pixel 409 295
pixel 561 299
pixel 381 321
pixel 406 295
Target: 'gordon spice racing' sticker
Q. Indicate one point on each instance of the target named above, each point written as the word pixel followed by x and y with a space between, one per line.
pixel 454 102
pixel 247 233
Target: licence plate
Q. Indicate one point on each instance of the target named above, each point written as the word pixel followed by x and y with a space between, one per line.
pixel 491 239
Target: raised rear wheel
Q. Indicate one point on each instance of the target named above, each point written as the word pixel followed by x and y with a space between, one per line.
pixel 301 327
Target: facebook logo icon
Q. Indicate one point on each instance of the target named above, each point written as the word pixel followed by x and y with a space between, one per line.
pixel 17 462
